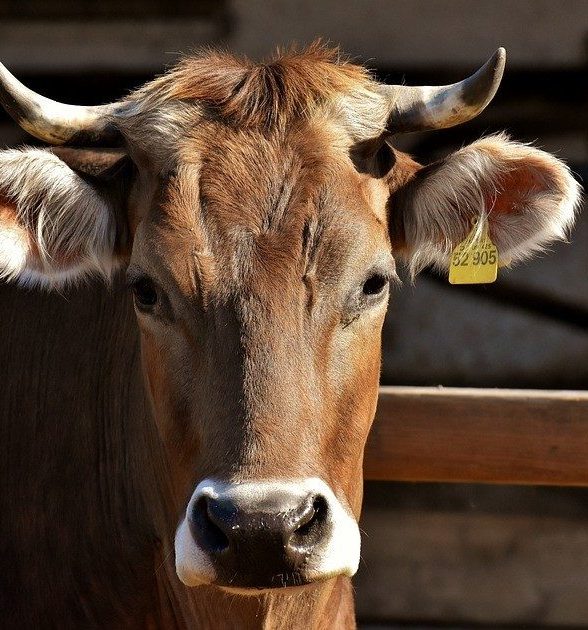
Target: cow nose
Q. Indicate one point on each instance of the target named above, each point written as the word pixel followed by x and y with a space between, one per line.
pixel 262 542
pixel 265 534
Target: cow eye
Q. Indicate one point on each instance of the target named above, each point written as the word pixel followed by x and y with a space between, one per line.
pixel 375 284
pixel 145 293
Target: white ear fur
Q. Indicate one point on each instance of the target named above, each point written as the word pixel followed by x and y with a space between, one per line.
pixel 476 181
pixel 56 227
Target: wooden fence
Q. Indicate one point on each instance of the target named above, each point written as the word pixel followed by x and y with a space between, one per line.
pixel 479 435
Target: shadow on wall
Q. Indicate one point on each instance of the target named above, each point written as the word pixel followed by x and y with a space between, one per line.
pixel 474 555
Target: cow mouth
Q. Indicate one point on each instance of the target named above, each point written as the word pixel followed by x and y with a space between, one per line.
pixel 288 582
pixel 264 579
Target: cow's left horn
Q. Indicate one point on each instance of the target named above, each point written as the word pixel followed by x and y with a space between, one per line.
pixel 53 122
pixel 425 107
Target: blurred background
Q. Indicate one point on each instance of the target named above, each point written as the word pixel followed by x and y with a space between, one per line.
pixel 434 554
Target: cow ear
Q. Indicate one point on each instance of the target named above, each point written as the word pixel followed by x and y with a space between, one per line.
pixel 528 197
pixel 62 214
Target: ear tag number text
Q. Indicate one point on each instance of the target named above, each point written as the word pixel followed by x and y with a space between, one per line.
pixel 475 259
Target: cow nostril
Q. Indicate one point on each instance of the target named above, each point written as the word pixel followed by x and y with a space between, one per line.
pixel 315 515
pixel 207 534
pixel 311 524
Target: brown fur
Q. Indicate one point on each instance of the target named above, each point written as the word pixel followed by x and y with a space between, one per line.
pixel 256 236
pixel 269 95
pixel 84 482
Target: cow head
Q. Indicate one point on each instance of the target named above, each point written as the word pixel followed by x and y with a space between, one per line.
pixel 258 211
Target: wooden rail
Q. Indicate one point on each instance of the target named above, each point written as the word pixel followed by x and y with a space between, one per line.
pixel 480 435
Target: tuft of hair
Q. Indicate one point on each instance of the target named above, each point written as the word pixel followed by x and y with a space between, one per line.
pixel 288 86
pixel 60 229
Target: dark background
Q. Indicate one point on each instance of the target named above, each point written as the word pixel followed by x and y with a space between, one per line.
pixel 433 554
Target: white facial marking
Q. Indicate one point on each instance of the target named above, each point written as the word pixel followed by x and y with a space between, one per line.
pixel 192 565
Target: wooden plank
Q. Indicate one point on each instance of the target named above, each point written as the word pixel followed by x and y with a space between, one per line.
pixel 144 46
pixel 472 567
pixel 108 9
pixel 420 33
pixel 479 435
pixel 391 35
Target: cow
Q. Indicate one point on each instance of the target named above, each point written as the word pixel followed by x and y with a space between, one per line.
pixel 198 463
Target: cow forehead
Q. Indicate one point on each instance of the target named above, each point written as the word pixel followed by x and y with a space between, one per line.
pixel 256 167
pixel 247 205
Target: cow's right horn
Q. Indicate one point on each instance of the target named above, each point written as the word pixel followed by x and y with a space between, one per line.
pixel 57 123
pixel 420 108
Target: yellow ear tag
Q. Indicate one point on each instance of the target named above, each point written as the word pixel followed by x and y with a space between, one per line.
pixel 475 259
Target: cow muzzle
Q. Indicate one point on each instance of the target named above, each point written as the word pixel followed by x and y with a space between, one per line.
pixel 265 535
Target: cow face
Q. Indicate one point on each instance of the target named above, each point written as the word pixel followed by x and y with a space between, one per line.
pixel 260 275
pixel 257 211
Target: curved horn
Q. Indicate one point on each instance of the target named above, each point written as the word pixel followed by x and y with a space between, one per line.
pixel 53 122
pixel 425 107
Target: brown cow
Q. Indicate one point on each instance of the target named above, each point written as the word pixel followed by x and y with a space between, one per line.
pixel 256 209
